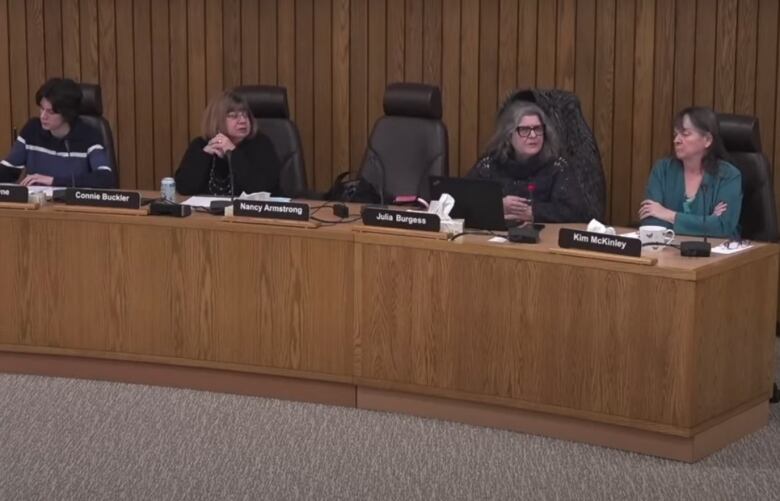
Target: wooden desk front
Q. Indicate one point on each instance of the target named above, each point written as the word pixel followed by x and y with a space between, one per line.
pixel 487 333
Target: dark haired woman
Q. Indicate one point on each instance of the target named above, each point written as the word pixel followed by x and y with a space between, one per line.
pixel 57 148
pixel 523 156
pixel 229 135
pixel 696 192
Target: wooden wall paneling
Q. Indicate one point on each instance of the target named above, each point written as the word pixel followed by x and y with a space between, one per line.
pixel 725 55
pixel 358 88
pixel 450 78
pixel 432 41
pixel 469 85
pixel 527 25
pixel 684 45
pixel 663 76
pixel 488 71
pixel 704 77
pixel 377 59
pixel 196 63
pixel 285 59
pixel 5 82
pixel 605 87
pixel 341 118
pixel 546 51
pixel 507 49
pixel 620 189
pixel 231 43
pixel 17 49
pixel 180 91
pixel 643 99
pixel 323 95
pixel 144 117
pixel 269 23
pixel 766 73
pixel 161 92
pixel 71 49
pixel 106 68
pixel 304 83
pixel 249 44
pixel 53 37
pixel 585 61
pixel 89 26
pixel 215 51
pixel 396 36
pixel 36 59
pixel 565 48
pixel 126 144
pixel 413 41
pixel 747 52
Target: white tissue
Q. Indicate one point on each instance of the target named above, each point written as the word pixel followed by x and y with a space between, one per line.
pixel 262 196
pixel 442 208
pixel 596 226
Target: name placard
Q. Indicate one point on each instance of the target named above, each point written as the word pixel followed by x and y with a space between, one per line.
pixel 14 194
pixel 599 242
pixel 271 210
pixel 407 220
pixel 103 198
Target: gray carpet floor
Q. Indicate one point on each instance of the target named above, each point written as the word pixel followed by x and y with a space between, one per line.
pixel 72 439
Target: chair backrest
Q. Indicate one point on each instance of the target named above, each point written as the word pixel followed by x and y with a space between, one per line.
pixel 408 144
pixel 269 107
pixel 742 140
pixel 91 113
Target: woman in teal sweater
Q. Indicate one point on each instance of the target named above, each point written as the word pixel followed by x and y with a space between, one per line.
pixel 697 192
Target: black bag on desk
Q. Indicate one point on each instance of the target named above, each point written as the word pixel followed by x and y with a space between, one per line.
pixel 352 190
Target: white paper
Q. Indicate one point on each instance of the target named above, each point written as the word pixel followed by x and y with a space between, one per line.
pixel 202 201
pixel 722 249
pixel 633 234
pixel 498 240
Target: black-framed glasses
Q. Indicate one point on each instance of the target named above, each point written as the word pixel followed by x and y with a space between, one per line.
pixel 525 131
pixel 736 243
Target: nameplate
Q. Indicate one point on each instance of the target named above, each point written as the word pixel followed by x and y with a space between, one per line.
pixel 599 242
pixel 14 194
pixel 103 198
pixel 271 210
pixel 407 220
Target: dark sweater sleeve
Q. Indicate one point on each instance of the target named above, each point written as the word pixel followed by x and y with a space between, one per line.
pixel 192 176
pixel 256 166
pixel 567 202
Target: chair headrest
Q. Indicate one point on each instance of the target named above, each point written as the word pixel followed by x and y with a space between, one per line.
pixel 265 101
pixel 413 100
pixel 91 100
pixel 739 133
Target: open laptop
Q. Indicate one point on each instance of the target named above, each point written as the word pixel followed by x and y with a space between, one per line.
pixel 478 201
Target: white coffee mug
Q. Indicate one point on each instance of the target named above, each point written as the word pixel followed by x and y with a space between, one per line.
pixel 655 234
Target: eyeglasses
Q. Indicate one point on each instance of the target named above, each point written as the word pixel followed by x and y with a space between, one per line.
pixel 235 115
pixel 736 244
pixel 524 131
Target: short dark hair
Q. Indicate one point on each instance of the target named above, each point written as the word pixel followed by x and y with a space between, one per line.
pixel 64 95
pixel 706 122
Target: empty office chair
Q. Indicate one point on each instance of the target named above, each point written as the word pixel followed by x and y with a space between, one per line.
pixel 91 112
pixel 269 106
pixel 742 140
pixel 408 144
pixel 578 143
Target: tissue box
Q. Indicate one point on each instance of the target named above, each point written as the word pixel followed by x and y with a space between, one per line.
pixel 452 227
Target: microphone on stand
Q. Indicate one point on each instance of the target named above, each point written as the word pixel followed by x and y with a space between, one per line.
pixel 696 248
pixel 218 206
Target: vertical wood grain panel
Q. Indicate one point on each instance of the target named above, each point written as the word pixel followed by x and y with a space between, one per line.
pixel 286 56
pixel 546 49
pixel 53 36
pixel 620 192
pixel 269 22
pixel 413 41
pixel 250 53
pixel 766 73
pixel 144 133
pixel 126 143
pixel 358 87
pixel 507 48
pixel 71 50
pixel 663 89
pixel 725 55
pixel 90 45
pixel 469 85
pixel 488 70
pixel 17 44
pixel 161 93
pixel 105 16
pixel 5 81
pixel 396 36
pixel 450 70
pixel 684 45
pixel 605 87
pixel 566 27
pixel 323 92
pixel 196 63
pixel 341 122
pixel 586 56
pixel 214 48
pixel 36 58
pixel 377 58
pixel 179 106
pixel 231 43
pixel 527 24
pixel 304 83
pixel 643 98
pixel 747 51
pixel 704 77
pixel 432 40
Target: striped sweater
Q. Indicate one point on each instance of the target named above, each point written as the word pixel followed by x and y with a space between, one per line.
pixel 78 159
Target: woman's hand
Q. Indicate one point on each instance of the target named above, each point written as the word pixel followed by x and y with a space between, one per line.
pixel 720 208
pixel 651 208
pixel 517 208
pixel 37 179
pixel 219 145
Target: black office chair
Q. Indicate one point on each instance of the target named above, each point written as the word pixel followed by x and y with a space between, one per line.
pixel 578 144
pixel 269 106
pixel 742 140
pixel 91 113
pixel 408 144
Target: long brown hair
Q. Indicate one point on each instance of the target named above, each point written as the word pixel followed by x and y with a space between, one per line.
pixel 216 113
pixel 705 121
